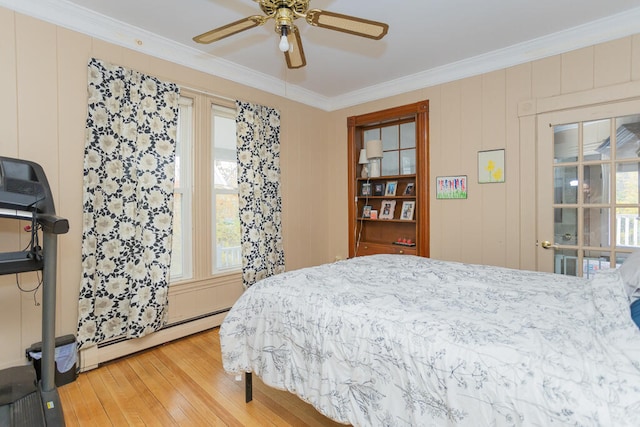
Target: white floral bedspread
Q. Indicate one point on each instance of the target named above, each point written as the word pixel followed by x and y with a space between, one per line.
pixel 396 340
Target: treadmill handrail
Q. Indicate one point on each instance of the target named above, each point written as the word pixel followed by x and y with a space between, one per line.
pixel 53 223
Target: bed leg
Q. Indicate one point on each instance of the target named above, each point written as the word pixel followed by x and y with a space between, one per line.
pixel 248 387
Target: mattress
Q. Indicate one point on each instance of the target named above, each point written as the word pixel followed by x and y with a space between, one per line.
pixel 399 340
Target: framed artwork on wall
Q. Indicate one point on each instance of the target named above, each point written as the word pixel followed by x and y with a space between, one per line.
pixel 451 187
pixel 491 166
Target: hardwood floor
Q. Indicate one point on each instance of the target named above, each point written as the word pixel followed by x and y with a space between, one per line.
pixel 181 383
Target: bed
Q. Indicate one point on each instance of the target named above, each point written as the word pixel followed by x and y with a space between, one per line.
pixel 397 340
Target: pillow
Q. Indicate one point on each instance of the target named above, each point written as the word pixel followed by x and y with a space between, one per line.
pixel 635 312
pixel 630 272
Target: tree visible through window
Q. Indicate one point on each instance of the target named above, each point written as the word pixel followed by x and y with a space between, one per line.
pixel 226 233
pixel 219 167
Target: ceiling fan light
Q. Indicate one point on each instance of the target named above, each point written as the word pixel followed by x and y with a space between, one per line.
pixel 284 13
pixel 284 44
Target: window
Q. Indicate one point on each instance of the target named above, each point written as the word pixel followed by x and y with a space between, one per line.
pixel 398 145
pixel 596 193
pixel 206 237
pixel 226 232
pixel 181 247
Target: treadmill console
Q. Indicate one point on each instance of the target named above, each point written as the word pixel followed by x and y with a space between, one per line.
pixel 24 187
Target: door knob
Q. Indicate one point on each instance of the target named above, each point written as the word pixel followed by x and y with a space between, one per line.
pixel 547 245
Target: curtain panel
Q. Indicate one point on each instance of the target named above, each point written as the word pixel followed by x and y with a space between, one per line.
pixel 127 203
pixel 260 203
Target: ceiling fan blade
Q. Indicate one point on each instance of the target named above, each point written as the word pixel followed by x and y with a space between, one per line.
pixel 295 55
pixel 230 29
pixel 347 24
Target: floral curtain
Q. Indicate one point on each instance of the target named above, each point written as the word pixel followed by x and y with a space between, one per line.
pixel 258 148
pixel 127 203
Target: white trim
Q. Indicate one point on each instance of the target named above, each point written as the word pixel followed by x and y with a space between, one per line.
pixel 603 30
pixel 184 152
pixel 77 18
pixel 587 98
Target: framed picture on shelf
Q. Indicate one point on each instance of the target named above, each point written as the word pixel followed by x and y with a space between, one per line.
pixel 408 190
pixel 391 188
pixel 387 209
pixel 366 211
pixel 374 214
pixel 378 189
pixel 407 210
pixel 366 189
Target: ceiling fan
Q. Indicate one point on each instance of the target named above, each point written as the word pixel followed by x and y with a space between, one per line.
pixel 284 13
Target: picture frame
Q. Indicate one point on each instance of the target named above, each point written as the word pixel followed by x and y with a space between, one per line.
pixel 408 206
pixel 491 166
pixel 391 188
pixel 374 214
pixel 366 211
pixel 409 189
pixel 365 189
pixel 378 189
pixel 451 187
pixel 387 209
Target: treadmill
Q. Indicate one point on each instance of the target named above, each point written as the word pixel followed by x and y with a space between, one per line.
pixel 25 195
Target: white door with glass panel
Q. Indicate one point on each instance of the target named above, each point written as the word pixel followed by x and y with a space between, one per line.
pixel 588 188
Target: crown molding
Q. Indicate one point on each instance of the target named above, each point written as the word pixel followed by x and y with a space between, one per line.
pixel 589 34
pixel 77 18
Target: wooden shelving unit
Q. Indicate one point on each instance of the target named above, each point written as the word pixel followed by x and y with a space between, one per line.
pixel 368 235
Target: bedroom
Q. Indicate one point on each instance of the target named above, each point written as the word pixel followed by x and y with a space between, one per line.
pixel 42 115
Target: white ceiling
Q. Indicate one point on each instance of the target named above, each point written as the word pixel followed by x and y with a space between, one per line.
pixel 429 41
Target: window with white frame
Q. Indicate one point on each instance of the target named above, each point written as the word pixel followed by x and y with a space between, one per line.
pixel 201 119
pixel 226 230
pixel 181 266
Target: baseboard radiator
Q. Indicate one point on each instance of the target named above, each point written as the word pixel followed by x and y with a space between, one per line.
pixel 116 348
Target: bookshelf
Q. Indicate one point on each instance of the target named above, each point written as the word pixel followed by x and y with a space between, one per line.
pixel 389 213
